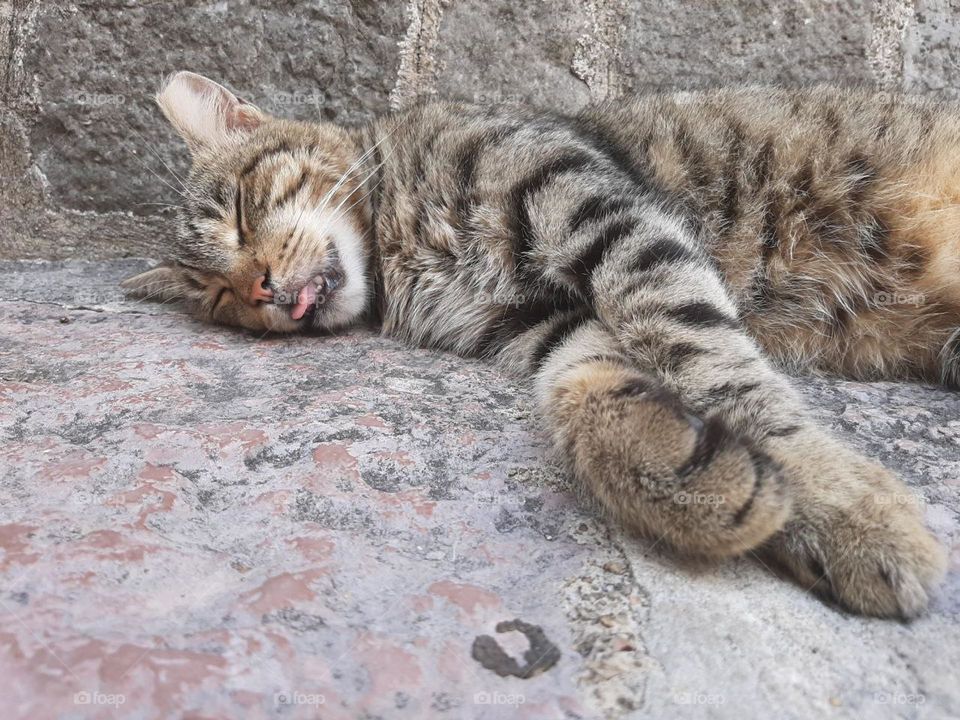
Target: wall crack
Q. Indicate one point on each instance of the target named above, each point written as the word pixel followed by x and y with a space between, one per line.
pixel 418 69
pixel 598 58
pixel 885 48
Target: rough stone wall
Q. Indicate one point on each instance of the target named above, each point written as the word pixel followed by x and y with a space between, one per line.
pixel 88 165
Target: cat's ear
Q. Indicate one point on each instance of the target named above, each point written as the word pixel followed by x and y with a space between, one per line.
pixel 162 284
pixel 204 112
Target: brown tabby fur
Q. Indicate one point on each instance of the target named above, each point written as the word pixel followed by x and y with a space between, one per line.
pixel 859 191
pixel 647 264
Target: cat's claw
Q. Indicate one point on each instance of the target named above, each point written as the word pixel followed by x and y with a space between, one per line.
pixel 874 556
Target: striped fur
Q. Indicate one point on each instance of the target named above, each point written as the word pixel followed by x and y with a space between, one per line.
pixel 648 265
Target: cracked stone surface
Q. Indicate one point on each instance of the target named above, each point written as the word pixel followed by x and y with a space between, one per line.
pixel 199 522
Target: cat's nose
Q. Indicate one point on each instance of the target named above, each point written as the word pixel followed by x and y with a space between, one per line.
pixel 261 292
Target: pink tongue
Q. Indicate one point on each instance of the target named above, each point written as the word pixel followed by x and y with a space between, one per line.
pixel 305 299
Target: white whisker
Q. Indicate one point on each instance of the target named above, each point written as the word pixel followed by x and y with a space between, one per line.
pixel 162 161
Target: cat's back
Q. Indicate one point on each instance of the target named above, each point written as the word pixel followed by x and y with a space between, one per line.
pixel 787 185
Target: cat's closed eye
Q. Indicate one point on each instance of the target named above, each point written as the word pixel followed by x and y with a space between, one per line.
pixel 294 221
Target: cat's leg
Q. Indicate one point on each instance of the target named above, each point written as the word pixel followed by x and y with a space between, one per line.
pixel 854 531
pixel 652 464
pixel 588 226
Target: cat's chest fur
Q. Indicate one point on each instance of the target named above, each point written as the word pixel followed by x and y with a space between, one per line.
pixel 444 284
pixel 447 248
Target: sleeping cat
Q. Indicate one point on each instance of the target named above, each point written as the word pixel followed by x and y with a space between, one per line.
pixel 650 265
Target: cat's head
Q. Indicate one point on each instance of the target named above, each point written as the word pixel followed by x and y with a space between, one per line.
pixel 273 219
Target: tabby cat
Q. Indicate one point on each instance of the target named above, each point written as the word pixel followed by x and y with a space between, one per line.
pixel 652 265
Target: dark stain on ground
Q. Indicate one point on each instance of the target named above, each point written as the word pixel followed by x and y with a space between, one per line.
pixel 206 497
pixel 84 430
pixel 18 431
pixel 54 375
pixel 308 507
pixel 541 655
pixel 506 521
pixel 217 392
pixel 272 457
pixel 341 435
pixel 388 482
pixel 296 620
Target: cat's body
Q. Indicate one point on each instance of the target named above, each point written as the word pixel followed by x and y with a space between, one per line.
pixel 823 213
pixel 632 261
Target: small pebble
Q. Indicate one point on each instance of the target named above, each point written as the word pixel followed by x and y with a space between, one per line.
pixel 64 320
pixel 615 567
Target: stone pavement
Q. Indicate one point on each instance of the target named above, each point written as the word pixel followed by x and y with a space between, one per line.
pixel 195 522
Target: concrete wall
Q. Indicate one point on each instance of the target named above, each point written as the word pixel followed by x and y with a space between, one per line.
pixel 86 158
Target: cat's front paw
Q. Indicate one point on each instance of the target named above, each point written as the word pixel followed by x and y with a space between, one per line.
pixel 859 539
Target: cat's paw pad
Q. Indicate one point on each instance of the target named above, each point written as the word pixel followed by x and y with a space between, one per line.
pixel 667 473
pixel 874 557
